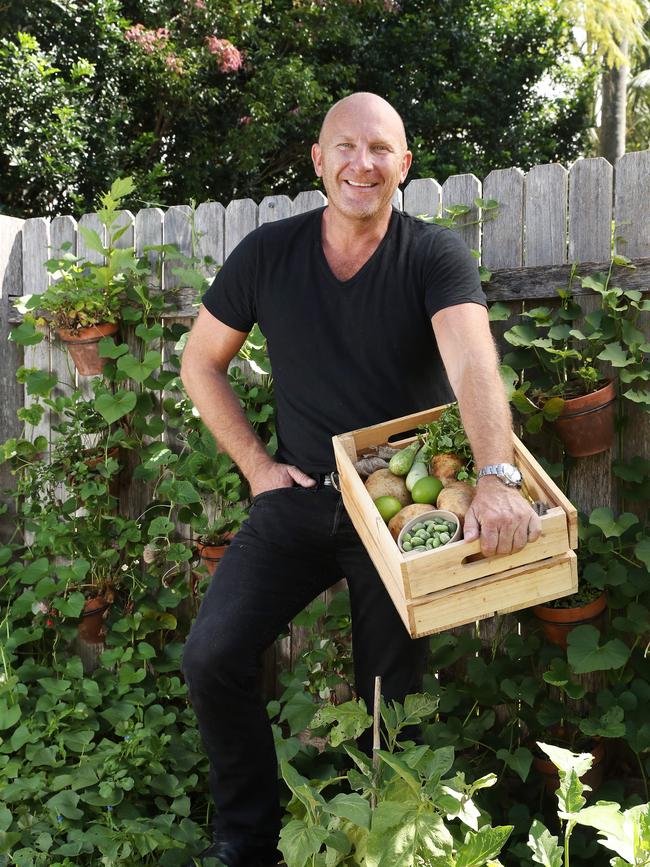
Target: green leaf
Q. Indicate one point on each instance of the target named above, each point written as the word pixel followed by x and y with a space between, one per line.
pixel 544 846
pixel 604 519
pixel 26 334
pixel 9 716
pixel 349 720
pixel 65 804
pixel 420 706
pixel 107 348
pixel 402 831
pixel 402 769
pixel 498 312
pixel 36 570
pixel 40 382
pixel 114 406
pixel 140 370
pixel 352 807
pixel 642 551
pixel 298 711
pixel 616 355
pixel 482 845
pixel 520 761
pixel 299 842
pixel 585 654
pixel 148 334
pixel 92 239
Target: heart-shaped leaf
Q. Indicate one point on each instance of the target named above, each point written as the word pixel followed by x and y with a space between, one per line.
pixel 114 406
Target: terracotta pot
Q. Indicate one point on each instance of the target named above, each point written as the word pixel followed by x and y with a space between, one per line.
pixel 93 458
pixel 211 555
pixel 82 346
pixel 593 778
pixel 557 623
pixel 586 423
pixel 92 627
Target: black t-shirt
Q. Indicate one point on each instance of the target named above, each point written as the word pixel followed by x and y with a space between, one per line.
pixel 345 354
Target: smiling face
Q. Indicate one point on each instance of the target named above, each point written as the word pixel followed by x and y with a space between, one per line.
pixel 361 156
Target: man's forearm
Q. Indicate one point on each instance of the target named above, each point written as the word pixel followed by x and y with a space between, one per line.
pixel 221 412
pixel 485 412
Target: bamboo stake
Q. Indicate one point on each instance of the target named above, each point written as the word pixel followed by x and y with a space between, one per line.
pixel 376 742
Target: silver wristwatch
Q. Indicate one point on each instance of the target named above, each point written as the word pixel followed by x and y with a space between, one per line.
pixel 507 473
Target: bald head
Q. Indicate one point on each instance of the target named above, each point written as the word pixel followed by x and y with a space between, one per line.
pixel 368 106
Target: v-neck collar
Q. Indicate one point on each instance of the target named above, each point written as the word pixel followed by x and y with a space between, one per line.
pixel 318 236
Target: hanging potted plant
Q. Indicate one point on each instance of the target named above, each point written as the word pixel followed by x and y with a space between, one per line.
pixel 567 375
pixel 213 537
pixel 83 303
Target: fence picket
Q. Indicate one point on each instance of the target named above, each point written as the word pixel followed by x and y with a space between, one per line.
pixel 546 215
pixel 462 190
pixel 308 201
pixel 241 218
pixel 590 227
pixel 632 194
pixel 422 198
pixel 63 230
pixel 90 221
pixel 11 395
pixel 274 208
pixel 503 233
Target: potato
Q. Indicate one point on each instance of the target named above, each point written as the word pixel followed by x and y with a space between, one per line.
pixel 446 467
pixel 456 497
pixel 402 518
pixel 383 483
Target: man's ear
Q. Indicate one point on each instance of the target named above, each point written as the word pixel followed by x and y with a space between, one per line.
pixel 317 159
pixel 406 165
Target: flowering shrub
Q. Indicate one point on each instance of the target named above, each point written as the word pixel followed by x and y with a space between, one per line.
pixel 148 40
pixel 229 58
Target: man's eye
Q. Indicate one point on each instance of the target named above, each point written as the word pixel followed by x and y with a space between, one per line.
pixel 345 144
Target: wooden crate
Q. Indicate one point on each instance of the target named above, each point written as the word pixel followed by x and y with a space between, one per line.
pixel 455 584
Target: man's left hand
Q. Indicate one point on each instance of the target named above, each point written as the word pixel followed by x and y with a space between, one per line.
pixel 501 517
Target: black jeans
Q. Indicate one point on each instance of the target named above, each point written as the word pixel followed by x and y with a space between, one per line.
pixel 296 543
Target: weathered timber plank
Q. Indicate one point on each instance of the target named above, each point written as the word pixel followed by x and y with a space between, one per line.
pixel 462 190
pixel 241 218
pixel 503 233
pixel 398 199
pixel 502 246
pixel 209 237
pixel 546 213
pixel 308 201
pixel 590 227
pixel 274 208
pixel 149 233
pixel 63 231
pixel 423 198
pixel 11 392
pixel 92 222
pixel 632 195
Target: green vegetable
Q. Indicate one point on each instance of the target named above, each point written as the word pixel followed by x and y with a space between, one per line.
pixel 419 470
pixel 444 538
pixel 402 462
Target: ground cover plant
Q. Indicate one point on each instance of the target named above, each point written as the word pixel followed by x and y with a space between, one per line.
pixel 100 758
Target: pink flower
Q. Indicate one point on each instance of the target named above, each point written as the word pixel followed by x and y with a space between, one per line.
pixel 245 120
pixel 174 64
pixel 295 110
pixel 200 4
pixel 148 40
pixel 229 58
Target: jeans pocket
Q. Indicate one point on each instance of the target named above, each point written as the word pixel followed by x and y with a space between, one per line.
pixel 271 492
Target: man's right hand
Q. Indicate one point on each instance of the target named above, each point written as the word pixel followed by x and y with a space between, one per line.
pixel 274 475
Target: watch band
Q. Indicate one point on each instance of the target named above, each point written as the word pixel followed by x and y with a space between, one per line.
pixel 506 473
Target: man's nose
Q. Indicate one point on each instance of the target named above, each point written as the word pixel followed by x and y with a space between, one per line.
pixel 362 158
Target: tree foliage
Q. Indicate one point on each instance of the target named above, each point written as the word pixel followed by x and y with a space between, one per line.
pixel 216 99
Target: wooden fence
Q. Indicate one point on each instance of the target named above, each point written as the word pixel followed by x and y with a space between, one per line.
pixel 547 219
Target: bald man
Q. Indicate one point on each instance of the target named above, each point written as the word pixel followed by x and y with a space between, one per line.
pixel 369 314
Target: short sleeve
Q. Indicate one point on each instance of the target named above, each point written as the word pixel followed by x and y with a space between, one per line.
pixel 232 295
pixel 450 273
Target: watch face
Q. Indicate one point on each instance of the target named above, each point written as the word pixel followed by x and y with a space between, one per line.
pixel 511 474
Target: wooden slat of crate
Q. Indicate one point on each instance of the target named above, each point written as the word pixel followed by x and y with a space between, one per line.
pixel 423 574
pixel 495 594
